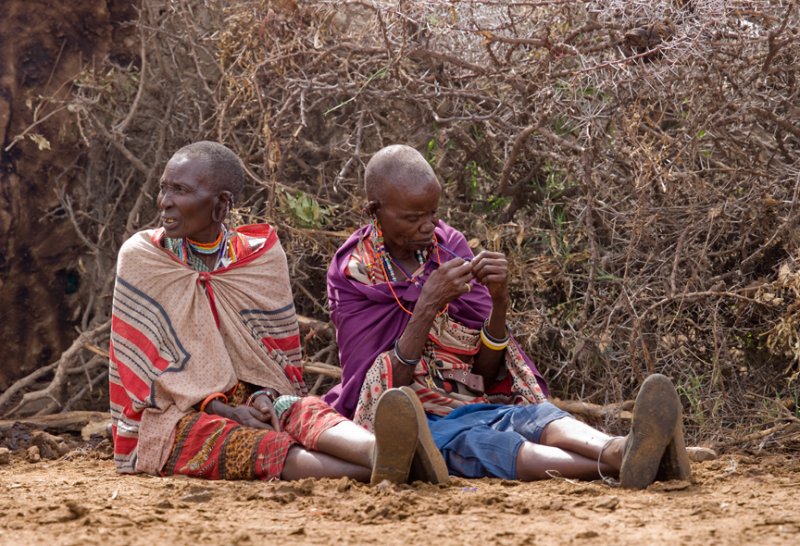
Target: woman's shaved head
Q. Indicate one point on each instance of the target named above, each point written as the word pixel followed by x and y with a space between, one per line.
pixel 396 165
pixel 223 166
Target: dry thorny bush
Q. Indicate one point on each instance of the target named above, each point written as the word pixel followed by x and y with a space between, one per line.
pixel 637 160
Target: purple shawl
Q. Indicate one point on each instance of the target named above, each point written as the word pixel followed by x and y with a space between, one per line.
pixel 368 319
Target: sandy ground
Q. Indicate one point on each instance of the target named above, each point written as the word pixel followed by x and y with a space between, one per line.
pixel 79 499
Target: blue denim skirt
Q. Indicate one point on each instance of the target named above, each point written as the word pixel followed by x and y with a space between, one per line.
pixel 483 440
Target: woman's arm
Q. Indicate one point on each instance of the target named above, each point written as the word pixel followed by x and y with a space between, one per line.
pixel 260 413
pixel 491 270
pixel 443 286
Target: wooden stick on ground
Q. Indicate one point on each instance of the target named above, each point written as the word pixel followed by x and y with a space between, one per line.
pixel 72 421
pixel 620 410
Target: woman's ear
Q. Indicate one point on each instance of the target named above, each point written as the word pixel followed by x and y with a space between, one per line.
pixel 223 207
pixel 372 207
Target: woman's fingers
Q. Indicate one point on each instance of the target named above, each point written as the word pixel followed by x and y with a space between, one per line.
pixel 456 265
pixel 449 282
pixel 488 258
pixel 487 255
pixel 266 412
pixel 491 274
pixel 454 273
pixel 250 419
pixel 256 423
pixel 254 417
pixel 276 424
pixel 456 270
pixel 491 270
pixel 490 267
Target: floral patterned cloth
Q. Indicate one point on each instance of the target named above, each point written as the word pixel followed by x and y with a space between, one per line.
pixel 215 448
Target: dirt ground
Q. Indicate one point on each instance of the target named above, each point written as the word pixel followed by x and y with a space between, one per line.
pixel 79 499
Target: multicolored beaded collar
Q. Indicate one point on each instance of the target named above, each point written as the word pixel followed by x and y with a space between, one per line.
pixel 188 251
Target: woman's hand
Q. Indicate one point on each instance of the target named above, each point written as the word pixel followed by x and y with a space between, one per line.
pixel 263 404
pixel 447 283
pixel 491 270
pixel 251 417
pixel 444 285
pixel 261 414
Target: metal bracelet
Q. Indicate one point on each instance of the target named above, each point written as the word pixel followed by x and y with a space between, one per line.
pixel 408 362
pixel 253 396
pixel 493 339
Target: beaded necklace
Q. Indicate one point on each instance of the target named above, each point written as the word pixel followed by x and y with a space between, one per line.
pixel 187 250
pixel 206 248
pixel 383 257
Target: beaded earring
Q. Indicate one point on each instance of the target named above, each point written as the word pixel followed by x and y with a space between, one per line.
pixel 381 254
pixel 373 258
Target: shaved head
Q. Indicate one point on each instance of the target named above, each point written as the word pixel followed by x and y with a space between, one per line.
pixel 222 164
pixel 393 166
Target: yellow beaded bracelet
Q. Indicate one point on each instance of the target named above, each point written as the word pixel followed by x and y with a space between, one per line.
pixel 491 344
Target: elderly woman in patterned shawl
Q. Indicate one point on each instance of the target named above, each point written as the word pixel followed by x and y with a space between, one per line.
pixel 414 307
pixel 205 371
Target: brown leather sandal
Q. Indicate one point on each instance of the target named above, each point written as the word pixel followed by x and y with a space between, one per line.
pixel 656 414
pixel 428 464
pixel 396 431
pixel 675 464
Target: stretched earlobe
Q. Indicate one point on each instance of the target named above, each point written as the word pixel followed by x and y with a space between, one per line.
pixel 219 214
pixel 223 208
pixel 371 208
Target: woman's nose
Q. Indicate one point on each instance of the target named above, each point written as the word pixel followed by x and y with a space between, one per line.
pixel 160 201
pixel 163 200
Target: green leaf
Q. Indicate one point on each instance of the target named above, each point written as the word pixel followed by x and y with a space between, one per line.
pixel 306 210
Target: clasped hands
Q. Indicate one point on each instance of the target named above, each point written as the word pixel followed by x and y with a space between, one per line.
pixel 453 278
pixel 259 414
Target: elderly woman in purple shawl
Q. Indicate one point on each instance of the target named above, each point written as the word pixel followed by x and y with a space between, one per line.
pixel 413 307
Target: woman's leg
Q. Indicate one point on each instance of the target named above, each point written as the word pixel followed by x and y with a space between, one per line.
pixel 344 449
pixel 388 454
pixel 349 442
pixel 538 462
pixel 656 418
pixel 301 463
pixel 569 434
pixel 353 443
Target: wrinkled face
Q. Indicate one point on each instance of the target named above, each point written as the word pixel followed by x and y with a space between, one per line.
pixel 187 199
pixel 408 214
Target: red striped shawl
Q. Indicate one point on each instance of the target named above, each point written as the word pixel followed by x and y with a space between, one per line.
pixel 178 335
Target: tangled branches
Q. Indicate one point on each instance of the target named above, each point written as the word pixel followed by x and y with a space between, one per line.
pixel 107 193
pixel 638 161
